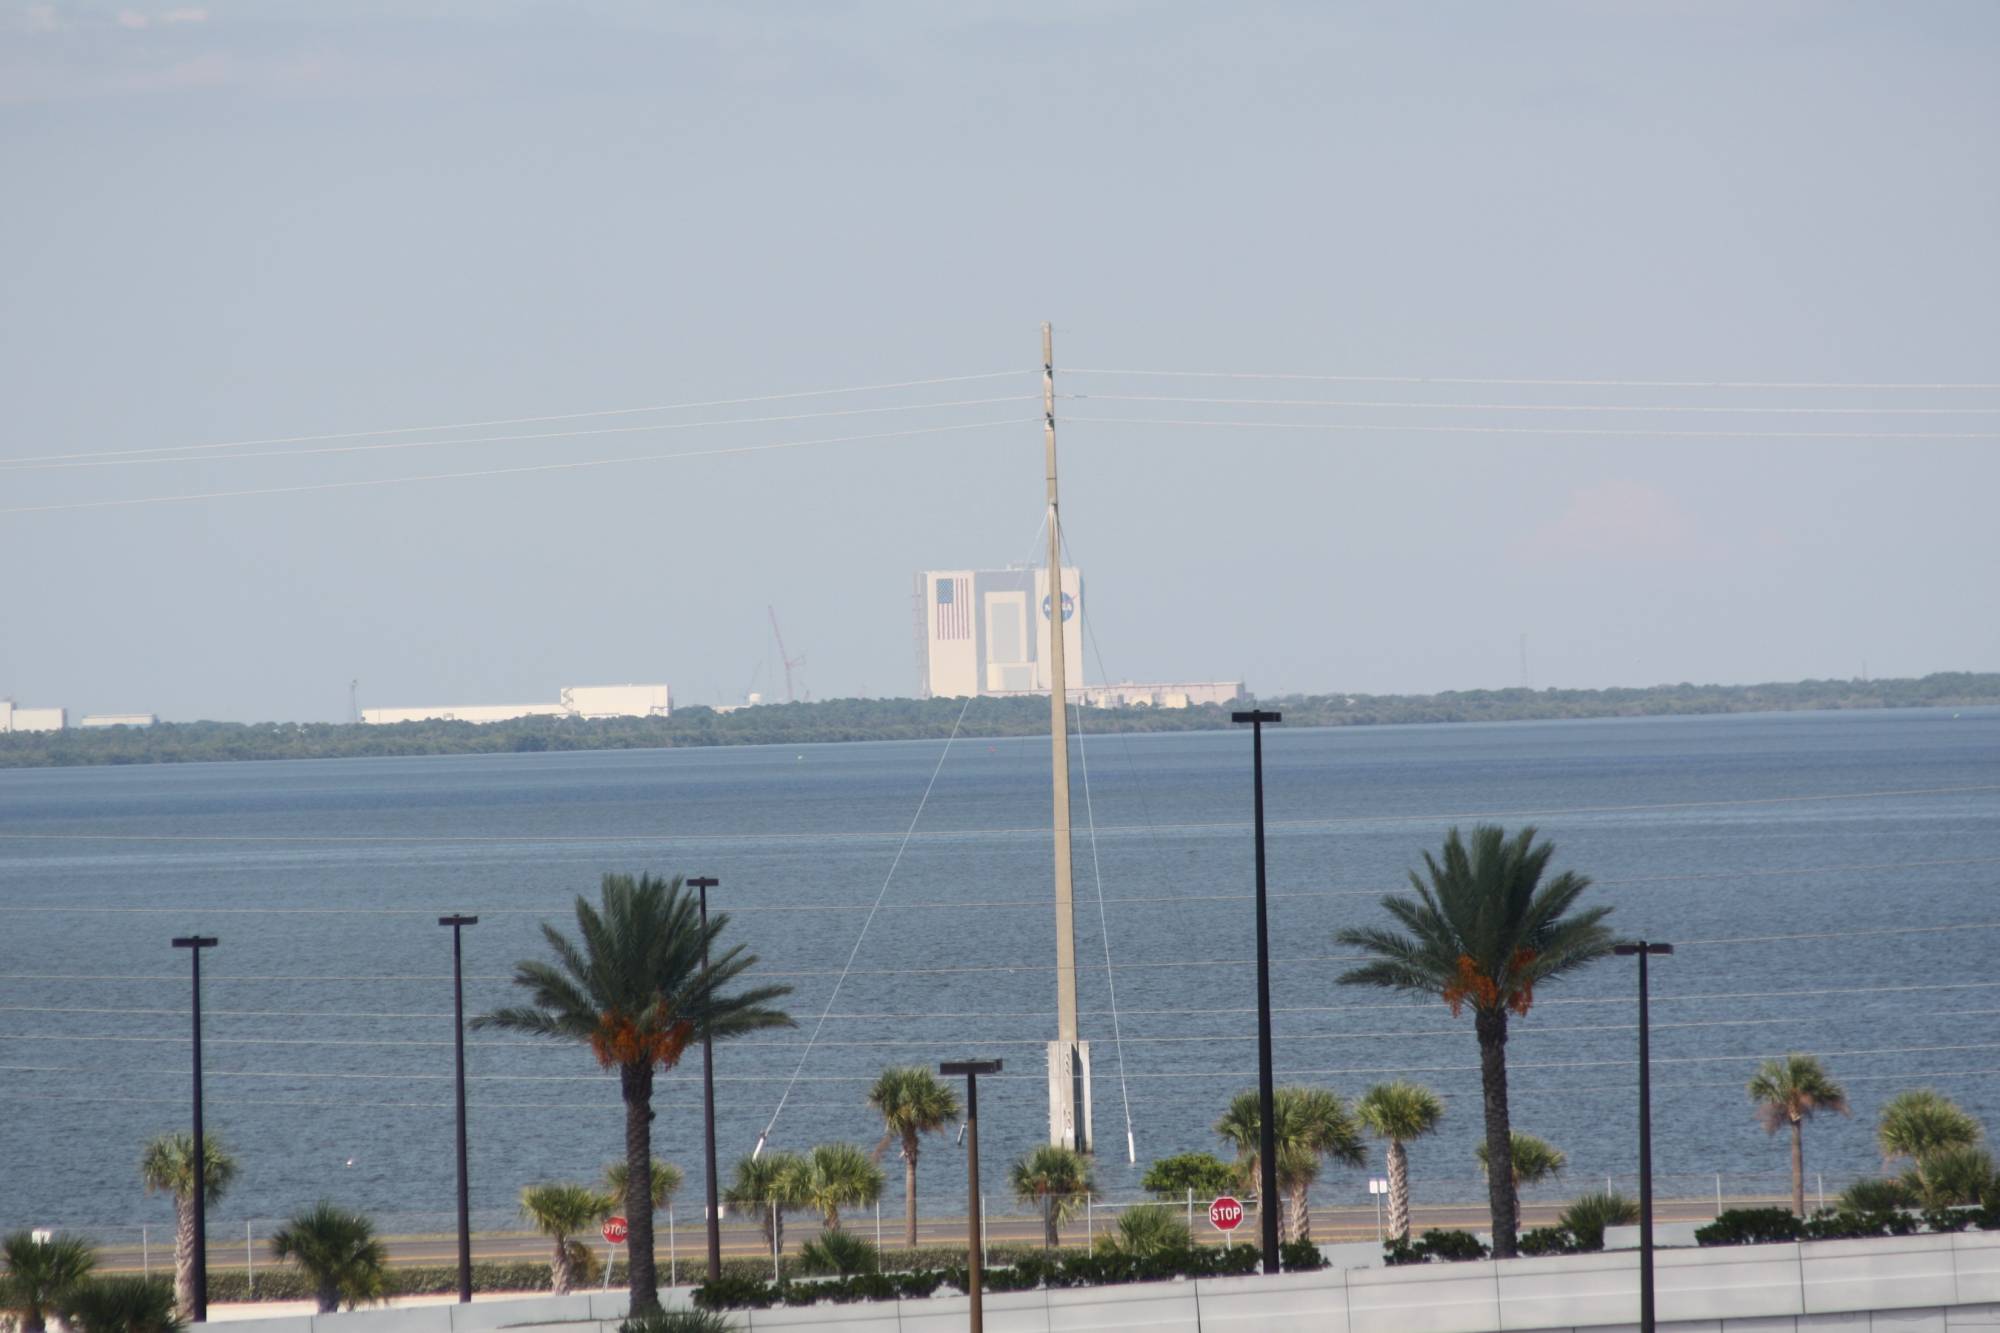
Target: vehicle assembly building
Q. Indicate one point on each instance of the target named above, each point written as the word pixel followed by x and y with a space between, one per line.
pixel 986 631
pixel 13 717
pixel 586 701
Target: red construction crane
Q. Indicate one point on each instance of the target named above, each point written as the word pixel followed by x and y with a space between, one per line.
pixel 789 662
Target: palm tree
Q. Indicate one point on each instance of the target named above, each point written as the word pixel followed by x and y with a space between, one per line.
pixel 122 1305
pixel 42 1275
pixel 1532 1160
pixel 562 1213
pixel 1923 1121
pixel 1484 931
pixel 342 1257
pixel 636 992
pixel 912 1103
pixel 1952 1178
pixel 765 1187
pixel 837 1176
pixel 1791 1091
pixel 1147 1230
pixel 168 1165
pixel 1311 1124
pixel 666 1183
pixel 1056 1180
pixel 1396 1113
pixel 1588 1215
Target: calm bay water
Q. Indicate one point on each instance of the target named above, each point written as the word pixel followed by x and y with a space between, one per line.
pixel 1762 845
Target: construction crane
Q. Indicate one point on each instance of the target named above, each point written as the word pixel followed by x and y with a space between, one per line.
pixel 789 661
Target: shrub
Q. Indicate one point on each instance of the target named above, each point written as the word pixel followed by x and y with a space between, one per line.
pixel 1453 1246
pixel 1300 1256
pixel 1750 1226
pixel 1444 1246
pixel 1553 1240
pixel 122 1305
pixel 1872 1195
pixel 1151 1229
pixel 1172 1177
pixel 736 1293
pixel 919 1284
pixel 1588 1215
pixel 838 1254
pixel 1947 1220
pixel 680 1321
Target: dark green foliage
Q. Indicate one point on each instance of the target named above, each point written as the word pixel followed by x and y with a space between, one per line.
pixel 736 1293
pixel 919 1284
pixel 679 1321
pixel 1943 1221
pixel 1588 1215
pixel 838 1254
pixel 1873 1195
pixel 1751 1226
pixel 1171 1178
pixel 1447 1247
pixel 1842 1224
pixel 925 719
pixel 1300 1256
pixel 123 1305
pixel 1554 1240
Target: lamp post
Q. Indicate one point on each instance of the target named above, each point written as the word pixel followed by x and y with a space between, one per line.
pixel 1267 1115
pixel 1642 950
pixel 702 884
pixel 972 1069
pixel 457 924
pixel 194 944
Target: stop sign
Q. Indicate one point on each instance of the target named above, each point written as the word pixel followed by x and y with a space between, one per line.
pixel 614 1230
pixel 1225 1214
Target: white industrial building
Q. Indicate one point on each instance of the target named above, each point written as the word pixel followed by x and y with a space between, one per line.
pixel 986 631
pixel 117 720
pixel 585 701
pixel 1166 694
pixel 13 717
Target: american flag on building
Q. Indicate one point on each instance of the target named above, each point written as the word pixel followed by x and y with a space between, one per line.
pixel 954 609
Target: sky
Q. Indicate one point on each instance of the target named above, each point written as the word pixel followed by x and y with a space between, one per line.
pixel 265 221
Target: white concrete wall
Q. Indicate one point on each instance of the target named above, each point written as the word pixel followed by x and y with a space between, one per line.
pixel 1911 1284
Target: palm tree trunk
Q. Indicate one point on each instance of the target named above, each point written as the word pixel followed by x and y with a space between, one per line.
pixel 559 1274
pixel 1491 1027
pixel 636 1082
pixel 1798 1167
pixel 329 1298
pixel 833 1219
pixel 184 1254
pixel 1399 1190
pixel 1051 1238
pixel 1301 1220
pixel 910 1190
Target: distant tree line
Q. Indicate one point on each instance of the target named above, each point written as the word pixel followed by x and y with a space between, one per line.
pixel 924 719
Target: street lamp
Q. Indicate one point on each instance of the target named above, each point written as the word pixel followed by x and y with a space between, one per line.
pixel 457 924
pixel 972 1069
pixel 194 944
pixel 1642 950
pixel 702 884
pixel 1267 1114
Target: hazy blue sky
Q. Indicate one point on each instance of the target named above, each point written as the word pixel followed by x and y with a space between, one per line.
pixel 236 220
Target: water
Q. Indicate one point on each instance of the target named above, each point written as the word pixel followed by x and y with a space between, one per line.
pixel 328 1002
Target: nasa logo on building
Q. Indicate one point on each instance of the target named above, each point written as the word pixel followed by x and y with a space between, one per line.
pixel 1069 607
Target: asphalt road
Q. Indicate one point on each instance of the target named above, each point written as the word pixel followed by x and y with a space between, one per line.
pixel 740 1239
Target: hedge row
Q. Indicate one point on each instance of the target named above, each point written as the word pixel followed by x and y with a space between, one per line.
pixel 1761 1226
pixel 1026 1272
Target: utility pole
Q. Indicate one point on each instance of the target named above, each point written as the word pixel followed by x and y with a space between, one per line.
pixel 702 884
pixel 1642 949
pixel 974 1238
pixel 194 944
pixel 1069 1058
pixel 458 922
pixel 354 700
pixel 1267 1097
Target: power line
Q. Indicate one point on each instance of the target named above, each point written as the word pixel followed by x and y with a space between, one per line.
pixel 1621 432
pixel 536 436
pixel 1538 383
pixel 1210 826
pixel 982 903
pixel 527 421
pixel 1642 408
pixel 571 466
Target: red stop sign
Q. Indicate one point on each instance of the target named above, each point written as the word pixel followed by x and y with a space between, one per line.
pixel 1225 1214
pixel 614 1230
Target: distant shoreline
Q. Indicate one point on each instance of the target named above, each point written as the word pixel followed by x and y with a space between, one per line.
pixel 838 720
